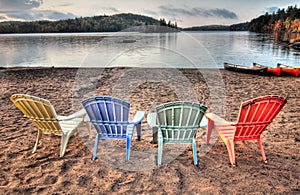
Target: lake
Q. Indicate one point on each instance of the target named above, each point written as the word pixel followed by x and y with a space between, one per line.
pixel 131 49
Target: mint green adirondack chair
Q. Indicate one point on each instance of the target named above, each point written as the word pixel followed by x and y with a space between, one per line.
pixel 178 122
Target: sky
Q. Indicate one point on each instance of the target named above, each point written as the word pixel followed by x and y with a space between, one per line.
pixel 186 13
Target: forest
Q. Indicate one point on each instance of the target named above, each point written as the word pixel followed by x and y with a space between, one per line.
pixel 284 24
pixel 282 20
pixel 114 23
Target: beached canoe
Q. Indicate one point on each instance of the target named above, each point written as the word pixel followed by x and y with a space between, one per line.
pixel 245 69
pixel 296 45
pixel 270 70
pixel 288 70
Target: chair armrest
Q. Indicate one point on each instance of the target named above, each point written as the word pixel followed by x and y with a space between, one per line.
pixel 77 114
pixel 138 117
pixel 151 119
pixel 86 118
pixel 217 119
pixel 203 122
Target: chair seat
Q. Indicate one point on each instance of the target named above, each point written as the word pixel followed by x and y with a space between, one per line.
pixel 114 137
pixel 166 141
pixel 226 131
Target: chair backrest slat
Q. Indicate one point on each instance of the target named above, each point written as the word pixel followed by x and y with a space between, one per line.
pixel 108 115
pixel 256 114
pixel 39 112
pixel 195 115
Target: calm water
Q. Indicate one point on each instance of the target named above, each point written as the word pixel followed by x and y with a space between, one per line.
pixel 180 50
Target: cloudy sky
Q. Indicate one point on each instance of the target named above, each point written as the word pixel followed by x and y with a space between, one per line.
pixel 186 13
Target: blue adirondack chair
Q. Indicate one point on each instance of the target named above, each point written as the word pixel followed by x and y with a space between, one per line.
pixel 178 122
pixel 109 116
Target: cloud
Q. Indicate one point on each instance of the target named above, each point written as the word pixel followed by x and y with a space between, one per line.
pixel 17 5
pixel 152 13
pixel 24 10
pixel 195 12
pixel 54 15
pixel 112 9
pixel 39 15
pixel 66 4
pixel 20 15
pixel 223 13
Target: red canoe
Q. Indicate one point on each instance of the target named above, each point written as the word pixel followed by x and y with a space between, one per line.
pixel 270 70
pixel 288 70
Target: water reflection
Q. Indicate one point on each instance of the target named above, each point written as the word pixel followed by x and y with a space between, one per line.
pixel 280 52
pixel 180 50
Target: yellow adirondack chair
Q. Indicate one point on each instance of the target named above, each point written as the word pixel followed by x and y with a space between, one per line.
pixel 42 114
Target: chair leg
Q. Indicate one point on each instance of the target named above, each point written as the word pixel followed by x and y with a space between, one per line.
pixel 210 126
pixel 88 125
pixel 230 149
pixel 195 152
pixel 38 138
pixel 138 131
pixel 95 147
pixel 154 135
pixel 128 146
pixel 160 148
pixel 64 142
pixel 262 151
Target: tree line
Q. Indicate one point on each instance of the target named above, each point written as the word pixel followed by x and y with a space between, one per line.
pixel 163 22
pixel 284 20
pixel 287 20
pixel 284 25
pixel 114 23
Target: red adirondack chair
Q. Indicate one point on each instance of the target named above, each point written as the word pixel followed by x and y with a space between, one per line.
pixel 254 117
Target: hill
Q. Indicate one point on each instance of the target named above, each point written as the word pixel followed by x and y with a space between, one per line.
pixel 234 27
pixel 104 23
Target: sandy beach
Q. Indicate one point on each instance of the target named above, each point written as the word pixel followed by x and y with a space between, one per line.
pixel 44 172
